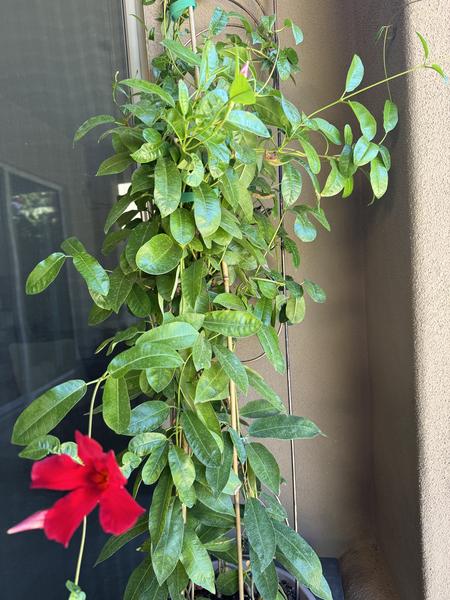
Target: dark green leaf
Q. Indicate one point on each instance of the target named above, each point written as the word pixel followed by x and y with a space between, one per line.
pixel 176 334
pixel 254 409
pixel 119 289
pixel 269 341
pixel 147 417
pixel 227 582
pixel 264 466
pixel 235 323
pixel 144 356
pixel 212 385
pixel 159 255
pixel 182 226
pixel 232 367
pixel 207 210
pixel 89 268
pixel 140 85
pixel 247 121
pixel 167 186
pixel 115 164
pixel 183 53
pixel 197 562
pixel 329 130
pixel 116 211
pixel 143 584
pixel 167 551
pixel 45 412
pixel 200 439
pixel 116 404
pixel 202 352
pixel 155 464
pixel 90 124
pixel 265 580
pixel 41 447
pixel 379 177
pixel 291 185
pixel 260 531
pixel 116 542
pixel 258 383
pixel 183 473
pixel 315 292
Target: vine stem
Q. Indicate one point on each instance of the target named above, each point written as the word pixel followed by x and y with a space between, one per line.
pixel 84 526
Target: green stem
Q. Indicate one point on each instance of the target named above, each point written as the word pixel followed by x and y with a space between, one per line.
pixel 365 89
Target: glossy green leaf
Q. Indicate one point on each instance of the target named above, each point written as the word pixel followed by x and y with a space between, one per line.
pixel 177 582
pixel 311 155
pixel 159 379
pixel 390 116
pixel 202 352
pixel 46 411
pixel 119 289
pixel 232 367
pixel 176 334
pixel 159 255
pixel 265 580
pixel 364 151
pixel 44 273
pixel 117 163
pixel 355 74
pixel 269 341
pixel 295 309
pixel 167 551
pixel 379 177
pixel 116 542
pixel 366 120
pixel 247 121
pixel 259 384
pixel 335 182
pixel 200 439
pixel 303 228
pixel 143 584
pixel 254 409
pixel 314 291
pixel 227 582
pixel 192 283
pixel 144 416
pixel 330 131
pixel 155 464
pixel 197 562
pixel 241 92
pixel 300 560
pixel 264 466
pixel 235 323
pixel 182 226
pixel 207 212
pixel 41 447
pixel 274 507
pixel 89 268
pixel 167 193
pixel 90 124
pixel 141 85
pixel 144 356
pixel 237 196
pixel 260 531
pixel 291 185
pixel 183 472
pixel 182 52
pixel 116 211
pixel 138 301
pixel 212 385
pixel 141 234
pixel 218 475
pixel 160 505
pixel 183 97
pixel 228 300
pixel 284 427
pixel 116 404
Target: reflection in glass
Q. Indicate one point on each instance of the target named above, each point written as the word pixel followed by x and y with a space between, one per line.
pixel 57 62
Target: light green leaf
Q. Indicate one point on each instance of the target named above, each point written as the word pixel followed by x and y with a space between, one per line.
pixel 89 268
pixel 167 551
pixel 183 97
pixel 192 283
pixel 146 417
pixel 45 412
pixel 144 356
pixel 159 507
pixel 218 476
pixel 379 177
pixel 311 155
pixel 232 367
pixel 237 196
pixel 41 447
pixel 260 531
pixel 284 427
pixel 44 273
pixel 116 404
pixel 147 442
pixel 182 226
pixel 364 151
pixel 116 211
pixel 202 352
pixel 183 53
pixel 90 124
pixel 141 234
pixel 183 473
pixel 194 176
pixel 235 323
pixel 334 183
pixel 355 74
pixel 139 302
pixel 300 560
pixel 291 185
pixel 159 379
pixel 264 466
pixel 200 439
pixel 115 164
pixel 167 186
pixel 119 289
pixel 330 131
pixel 254 409
pixel 212 385
pixel 176 334
pixel 140 85
pixel 247 121
pixel 295 309
pixel 207 212
pixel 366 120
pixel 303 228
pixel 241 92
pixel 230 301
pixel 161 254
pixel 390 116
pixel 196 561
pixel 423 41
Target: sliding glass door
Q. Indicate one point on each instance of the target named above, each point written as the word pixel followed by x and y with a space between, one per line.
pixel 57 63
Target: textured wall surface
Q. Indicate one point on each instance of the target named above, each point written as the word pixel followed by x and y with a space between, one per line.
pixel 371 365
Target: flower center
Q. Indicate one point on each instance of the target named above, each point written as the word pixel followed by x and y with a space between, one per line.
pixel 100 478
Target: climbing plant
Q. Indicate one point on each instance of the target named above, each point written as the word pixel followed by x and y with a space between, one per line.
pixel 200 235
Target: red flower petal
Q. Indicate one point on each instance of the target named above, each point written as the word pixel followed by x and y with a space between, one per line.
pixel 34 521
pixel 66 515
pixel 57 473
pixel 118 511
pixel 116 477
pixel 88 449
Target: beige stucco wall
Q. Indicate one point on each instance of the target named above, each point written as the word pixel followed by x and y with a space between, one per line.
pixel 371 365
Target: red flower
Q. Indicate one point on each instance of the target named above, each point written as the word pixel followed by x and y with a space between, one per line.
pixel 97 481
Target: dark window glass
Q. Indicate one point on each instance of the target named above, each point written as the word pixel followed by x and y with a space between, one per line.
pixel 57 63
